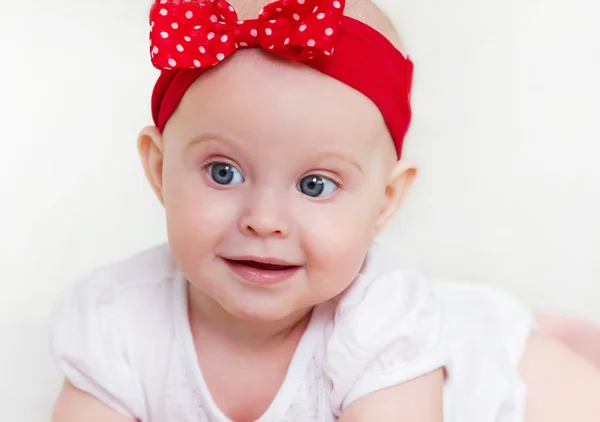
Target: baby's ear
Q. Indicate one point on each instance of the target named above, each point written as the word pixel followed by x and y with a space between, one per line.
pixel 150 148
pixel 401 180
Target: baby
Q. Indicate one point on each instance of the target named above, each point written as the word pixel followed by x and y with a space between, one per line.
pixel 276 154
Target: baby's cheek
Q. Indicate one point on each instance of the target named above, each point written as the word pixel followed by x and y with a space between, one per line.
pixel 349 226
pixel 198 218
pixel 192 203
pixel 336 248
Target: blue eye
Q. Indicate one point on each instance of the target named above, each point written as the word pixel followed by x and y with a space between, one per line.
pixel 317 186
pixel 225 174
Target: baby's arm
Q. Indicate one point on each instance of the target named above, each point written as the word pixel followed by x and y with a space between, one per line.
pixel 418 400
pixel 74 405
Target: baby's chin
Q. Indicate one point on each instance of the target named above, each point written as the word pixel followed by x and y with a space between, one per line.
pixel 271 316
pixel 263 309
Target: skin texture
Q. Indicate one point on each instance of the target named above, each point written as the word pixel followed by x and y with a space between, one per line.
pixel 276 123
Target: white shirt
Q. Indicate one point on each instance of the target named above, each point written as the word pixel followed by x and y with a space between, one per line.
pixel 122 334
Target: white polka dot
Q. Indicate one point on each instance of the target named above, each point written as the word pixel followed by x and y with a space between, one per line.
pixel 262 10
pixel 174 25
pixel 302 28
pixel 164 34
pixel 240 22
pixel 220 56
pixel 315 9
pixel 197 26
pixel 172 63
pixel 254 33
pixel 197 63
pixel 269 31
pixel 301 1
pixel 327 53
pixel 286 42
pixel 296 17
pixel 279 10
pixel 272 47
pixel 164 12
pixel 213 18
pixel 311 43
pixel 337 4
pixel 243 44
pixel 179 48
pixel 224 38
pixel 202 50
pixel 163 1
pixel 321 16
pixel 272 21
pixel 189 14
pixel 155 50
pixel 188 39
pixel 329 31
pixel 231 8
pixel 210 35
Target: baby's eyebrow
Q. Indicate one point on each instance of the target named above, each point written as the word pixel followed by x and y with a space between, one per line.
pixel 196 141
pixel 204 138
pixel 220 138
pixel 343 157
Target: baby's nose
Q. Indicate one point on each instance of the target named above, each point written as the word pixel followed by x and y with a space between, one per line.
pixel 265 216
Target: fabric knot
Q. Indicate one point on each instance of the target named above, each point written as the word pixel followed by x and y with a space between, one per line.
pixel 246 33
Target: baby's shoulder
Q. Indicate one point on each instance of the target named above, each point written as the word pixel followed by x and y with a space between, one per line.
pixel 149 267
pixel 383 280
pixel 117 297
pixel 387 328
pixel 125 282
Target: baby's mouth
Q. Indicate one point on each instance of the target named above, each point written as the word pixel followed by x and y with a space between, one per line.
pixel 261 265
pixel 263 272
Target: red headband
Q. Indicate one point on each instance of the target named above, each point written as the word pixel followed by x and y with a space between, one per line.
pixel 189 37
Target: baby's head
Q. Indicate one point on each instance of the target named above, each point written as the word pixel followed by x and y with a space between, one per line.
pixel 272 161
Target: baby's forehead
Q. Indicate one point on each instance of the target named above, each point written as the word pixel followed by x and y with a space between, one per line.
pixel 257 97
pixel 279 87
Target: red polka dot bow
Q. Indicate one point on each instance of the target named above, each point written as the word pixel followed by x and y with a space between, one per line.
pixel 200 33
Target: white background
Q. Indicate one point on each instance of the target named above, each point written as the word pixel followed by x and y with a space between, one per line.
pixel 506 132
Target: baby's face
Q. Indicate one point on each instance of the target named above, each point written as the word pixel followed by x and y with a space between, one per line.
pixel 273 162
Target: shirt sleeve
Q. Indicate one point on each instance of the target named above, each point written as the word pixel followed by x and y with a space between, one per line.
pixel 386 331
pixel 87 342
